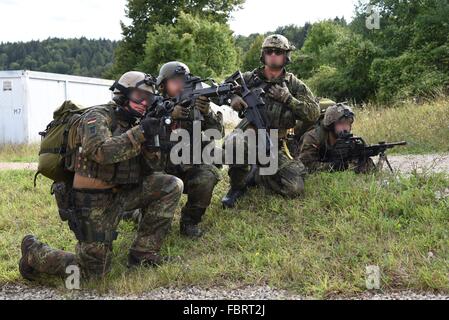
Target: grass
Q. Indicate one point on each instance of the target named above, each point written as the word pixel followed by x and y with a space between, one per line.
pixel 317 246
pixel 19 153
pixel 425 127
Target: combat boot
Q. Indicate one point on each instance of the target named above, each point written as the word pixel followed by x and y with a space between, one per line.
pixel 230 199
pixel 190 220
pixel 25 269
pixel 145 259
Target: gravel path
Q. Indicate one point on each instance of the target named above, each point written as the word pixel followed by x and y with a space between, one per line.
pixel 18 166
pixel 405 164
pixel 422 163
pixel 14 292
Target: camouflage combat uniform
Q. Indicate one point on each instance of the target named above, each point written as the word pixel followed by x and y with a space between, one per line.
pixel 314 148
pixel 289 180
pixel 200 179
pixel 109 149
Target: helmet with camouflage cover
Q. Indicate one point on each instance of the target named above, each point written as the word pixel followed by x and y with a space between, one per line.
pixel 170 70
pixel 277 41
pixel 336 113
pixel 134 80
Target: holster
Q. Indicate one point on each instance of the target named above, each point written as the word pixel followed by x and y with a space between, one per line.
pixel 64 199
pixel 78 216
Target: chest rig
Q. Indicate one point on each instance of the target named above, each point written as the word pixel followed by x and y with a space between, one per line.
pixel 279 115
pixel 122 173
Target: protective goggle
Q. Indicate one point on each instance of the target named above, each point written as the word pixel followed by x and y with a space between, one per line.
pixel 276 51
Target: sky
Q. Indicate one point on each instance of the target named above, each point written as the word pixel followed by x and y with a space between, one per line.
pixel 25 20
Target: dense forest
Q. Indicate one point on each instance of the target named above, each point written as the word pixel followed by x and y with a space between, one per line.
pixel 67 56
pixel 407 57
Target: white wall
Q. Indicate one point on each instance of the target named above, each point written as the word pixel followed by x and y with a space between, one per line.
pixel 13 111
pixel 47 95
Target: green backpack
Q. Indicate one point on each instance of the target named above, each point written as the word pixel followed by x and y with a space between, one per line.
pixel 54 144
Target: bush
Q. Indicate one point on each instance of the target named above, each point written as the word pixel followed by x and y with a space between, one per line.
pixel 206 47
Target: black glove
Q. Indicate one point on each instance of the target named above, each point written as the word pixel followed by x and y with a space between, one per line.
pixel 150 127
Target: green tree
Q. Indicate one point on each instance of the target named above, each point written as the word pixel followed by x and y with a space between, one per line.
pixel 251 59
pixel 146 14
pixel 206 47
pixel 336 62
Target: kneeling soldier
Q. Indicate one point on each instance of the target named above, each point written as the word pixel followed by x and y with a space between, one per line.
pixel 199 179
pixel 112 174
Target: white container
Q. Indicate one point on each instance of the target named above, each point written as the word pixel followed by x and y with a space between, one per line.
pixel 28 99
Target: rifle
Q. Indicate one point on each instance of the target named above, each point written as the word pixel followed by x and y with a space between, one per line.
pixel 256 112
pixel 349 148
pixel 196 87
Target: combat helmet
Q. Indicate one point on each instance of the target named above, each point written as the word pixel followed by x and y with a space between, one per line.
pixel 277 41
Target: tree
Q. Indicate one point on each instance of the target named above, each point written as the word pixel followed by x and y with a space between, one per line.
pixel 252 57
pixel 146 14
pixel 71 56
pixel 336 62
pixel 415 47
pixel 206 47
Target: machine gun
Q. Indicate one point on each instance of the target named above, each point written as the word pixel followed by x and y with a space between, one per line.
pixel 349 148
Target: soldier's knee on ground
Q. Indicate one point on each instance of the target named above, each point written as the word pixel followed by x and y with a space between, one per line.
pixel 288 181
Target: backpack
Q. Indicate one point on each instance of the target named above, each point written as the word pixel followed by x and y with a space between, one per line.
pixel 54 144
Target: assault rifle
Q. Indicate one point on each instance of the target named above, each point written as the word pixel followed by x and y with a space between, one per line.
pixel 221 94
pixel 350 148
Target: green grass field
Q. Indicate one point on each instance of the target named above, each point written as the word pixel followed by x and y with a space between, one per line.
pixel 317 246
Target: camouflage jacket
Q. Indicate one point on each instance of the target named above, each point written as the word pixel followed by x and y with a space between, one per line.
pixel 314 148
pixel 211 121
pixel 107 147
pixel 303 106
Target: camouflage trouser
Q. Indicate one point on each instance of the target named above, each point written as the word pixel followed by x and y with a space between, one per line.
pixel 199 183
pixel 157 197
pixel 288 180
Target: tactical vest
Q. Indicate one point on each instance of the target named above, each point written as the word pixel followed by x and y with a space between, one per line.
pixel 122 173
pixel 279 116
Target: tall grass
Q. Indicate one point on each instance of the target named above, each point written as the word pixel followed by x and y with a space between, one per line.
pixel 425 127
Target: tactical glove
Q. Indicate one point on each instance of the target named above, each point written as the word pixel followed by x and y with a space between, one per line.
pixel 150 127
pixel 180 113
pixel 238 104
pixel 281 94
pixel 203 105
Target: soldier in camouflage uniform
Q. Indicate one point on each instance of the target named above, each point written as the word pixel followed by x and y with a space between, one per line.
pixel 317 143
pixel 112 174
pixel 200 179
pixel 288 100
